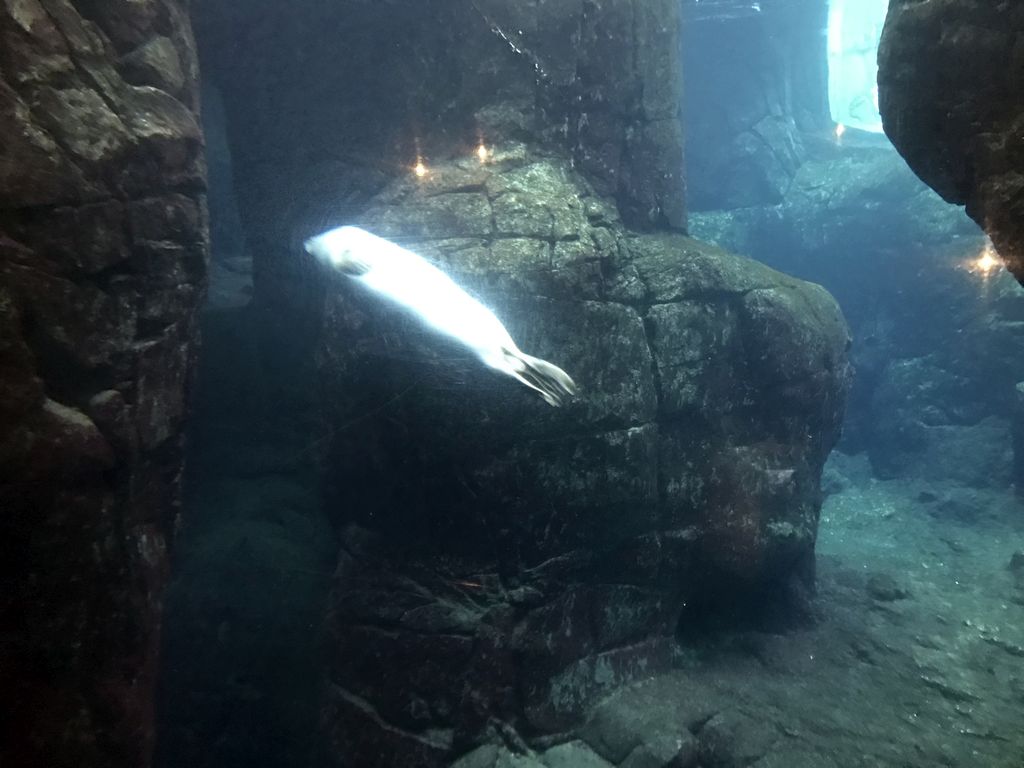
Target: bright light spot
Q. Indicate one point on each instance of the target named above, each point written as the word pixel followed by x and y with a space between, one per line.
pixel 483 152
pixel 835 30
pixel 420 169
pixel 840 130
pixel 986 263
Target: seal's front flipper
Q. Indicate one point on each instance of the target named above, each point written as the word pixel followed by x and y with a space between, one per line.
pixel 553 384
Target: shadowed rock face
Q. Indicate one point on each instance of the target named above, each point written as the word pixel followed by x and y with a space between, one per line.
pixel 756 82
pixel 102 265
pixel 505 561
pixel 950 94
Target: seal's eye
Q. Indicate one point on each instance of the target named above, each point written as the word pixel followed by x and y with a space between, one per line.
pixel 350 264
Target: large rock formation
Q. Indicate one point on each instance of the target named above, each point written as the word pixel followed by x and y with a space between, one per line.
pixel 949 78
pixel 503 561
pixel 102 264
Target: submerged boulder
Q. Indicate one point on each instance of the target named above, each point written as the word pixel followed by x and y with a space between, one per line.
pixel 503 560
pixel 949 74
pixel 934 428
pixel 891 252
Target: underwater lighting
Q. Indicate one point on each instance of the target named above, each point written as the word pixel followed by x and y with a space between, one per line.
pixel 840 130
pixel 419 169
pixel 854 30
pixel 986 263
pixel 483 152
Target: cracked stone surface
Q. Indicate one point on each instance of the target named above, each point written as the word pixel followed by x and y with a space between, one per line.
pixel 930 678
pixel 949 75
pixel 542 556
pixel 102 267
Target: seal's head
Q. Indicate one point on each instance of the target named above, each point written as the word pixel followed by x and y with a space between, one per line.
pixel 343 248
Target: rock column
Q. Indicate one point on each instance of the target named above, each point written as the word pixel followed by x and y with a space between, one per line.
pixel 103 251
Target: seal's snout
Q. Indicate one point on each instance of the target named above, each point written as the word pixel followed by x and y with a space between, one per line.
pixel 318 249
pixel 339 249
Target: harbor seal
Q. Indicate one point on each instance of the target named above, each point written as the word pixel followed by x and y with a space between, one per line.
pixel 414 284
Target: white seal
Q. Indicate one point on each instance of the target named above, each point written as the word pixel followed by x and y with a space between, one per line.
pixel 416 285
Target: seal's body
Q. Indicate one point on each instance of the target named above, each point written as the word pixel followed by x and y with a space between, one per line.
pixel 422 289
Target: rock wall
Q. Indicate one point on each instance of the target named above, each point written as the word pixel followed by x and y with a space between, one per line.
pixel 102 266
pixel 950 95
pixel 608 88
pixel 756 81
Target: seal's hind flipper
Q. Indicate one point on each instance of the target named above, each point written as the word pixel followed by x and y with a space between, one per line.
pixel 553 384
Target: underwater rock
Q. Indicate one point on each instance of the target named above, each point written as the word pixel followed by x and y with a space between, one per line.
pixel 1016 568
pixel 574 754
pixel 757 85
pixel 755 168
pixel 844 471
pixel 156 63
pixel 664 751
pixel 732 739
pixel 928 423
pixel 102 262
pixel 491 756
pixel 949 95
pixel 795 758
pixel 741 230
pixel 1017 562
pixel 844 205
pixel 1017 436
pixel 851 214
pixel 869 196
pixel 884 588
pixel 648 720
pixel 541 556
